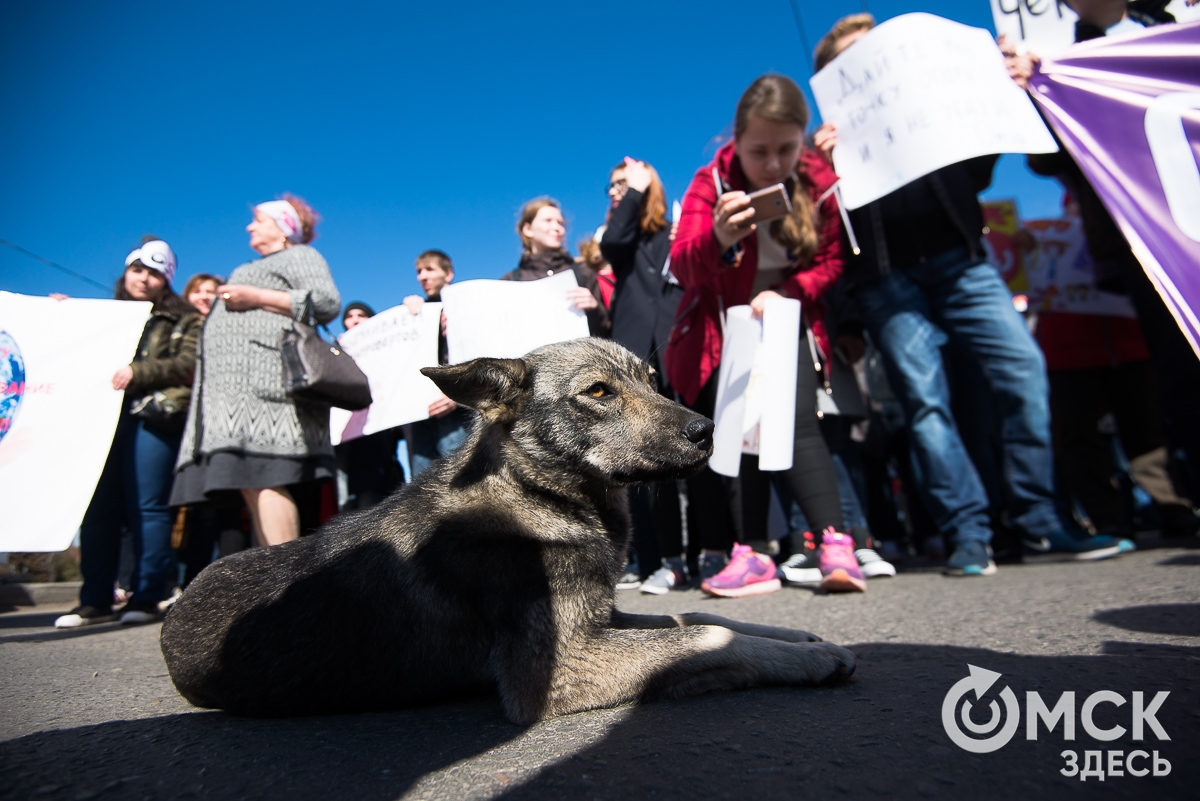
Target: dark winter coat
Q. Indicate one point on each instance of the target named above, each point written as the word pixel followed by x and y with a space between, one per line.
pixel 166 358
pixel 644 302
pixel 955 188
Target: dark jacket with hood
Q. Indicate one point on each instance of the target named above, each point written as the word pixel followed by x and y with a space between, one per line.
pixel 543 265
pixel 645 299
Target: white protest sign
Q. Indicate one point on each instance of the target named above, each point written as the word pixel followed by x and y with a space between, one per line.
pixel 58 410
pixel 1060 274
pixel 756 388
pixel 918 93
pixel 1047 27
pixel 507 319
pixel 391 348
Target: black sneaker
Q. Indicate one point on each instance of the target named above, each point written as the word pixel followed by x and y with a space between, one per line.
pixel 84 616
pixel 971 558
pixel 134 612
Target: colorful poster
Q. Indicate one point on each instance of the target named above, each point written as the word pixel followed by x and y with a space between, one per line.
pixel 918 93
pixel 58 410
pixel 1128 112
pixel 1000 240
pixel 1059 273
pixel 391 348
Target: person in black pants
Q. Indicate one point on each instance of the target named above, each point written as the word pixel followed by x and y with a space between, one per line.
pixel 637 243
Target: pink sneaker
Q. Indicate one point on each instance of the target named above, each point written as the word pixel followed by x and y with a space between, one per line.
pixel 748 573
pixel 839 565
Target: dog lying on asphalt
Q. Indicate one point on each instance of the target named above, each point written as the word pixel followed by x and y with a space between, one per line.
pixel 494 571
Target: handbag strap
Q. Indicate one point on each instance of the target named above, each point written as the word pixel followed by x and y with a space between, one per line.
pixel 307 315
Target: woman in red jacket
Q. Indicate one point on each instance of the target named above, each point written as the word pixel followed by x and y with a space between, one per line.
pixel 724 259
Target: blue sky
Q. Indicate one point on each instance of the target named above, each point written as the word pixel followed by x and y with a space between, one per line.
pixel 407 126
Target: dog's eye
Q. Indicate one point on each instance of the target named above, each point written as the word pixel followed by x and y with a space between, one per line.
pixel 599 390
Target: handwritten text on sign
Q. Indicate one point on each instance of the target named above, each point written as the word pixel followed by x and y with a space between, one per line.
pixel 391 348
pixel 918 93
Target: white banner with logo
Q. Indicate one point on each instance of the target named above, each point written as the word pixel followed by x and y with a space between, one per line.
pixel 916 94
pixel 507 319
pixel 58 410
pixel 391 348
pixel 756 388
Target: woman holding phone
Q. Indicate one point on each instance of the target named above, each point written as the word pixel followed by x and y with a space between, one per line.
pixel 725 254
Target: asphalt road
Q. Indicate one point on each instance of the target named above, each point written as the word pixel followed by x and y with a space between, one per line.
pixel 92 714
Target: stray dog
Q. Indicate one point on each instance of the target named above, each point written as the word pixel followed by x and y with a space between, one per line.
pixel 494 571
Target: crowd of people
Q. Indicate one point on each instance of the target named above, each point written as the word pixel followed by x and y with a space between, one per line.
pixel 927 424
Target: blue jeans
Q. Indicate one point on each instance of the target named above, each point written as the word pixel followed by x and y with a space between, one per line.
pixel 909 314
pixel 437 437
pixel 133 492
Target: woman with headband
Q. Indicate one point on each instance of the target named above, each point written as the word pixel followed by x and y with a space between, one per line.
pixel 135 485
pixel 244 433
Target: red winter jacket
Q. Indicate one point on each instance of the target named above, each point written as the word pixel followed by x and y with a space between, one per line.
pixel 694 349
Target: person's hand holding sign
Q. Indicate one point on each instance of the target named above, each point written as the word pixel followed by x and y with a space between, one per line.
pixel 1020 66
pixel 825 140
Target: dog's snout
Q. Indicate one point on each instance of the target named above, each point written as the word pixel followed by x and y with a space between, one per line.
pixel 699 429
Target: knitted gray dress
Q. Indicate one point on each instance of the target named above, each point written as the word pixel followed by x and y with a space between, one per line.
pixel 243 431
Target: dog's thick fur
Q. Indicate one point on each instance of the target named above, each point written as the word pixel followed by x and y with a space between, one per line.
pixel 494 570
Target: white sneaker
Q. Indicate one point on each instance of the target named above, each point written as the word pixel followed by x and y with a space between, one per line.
pixel 801 568
pixel 872 564
pixel 665 579
pixel 82 616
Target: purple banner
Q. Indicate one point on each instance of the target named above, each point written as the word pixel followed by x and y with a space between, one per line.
pixel 1128 111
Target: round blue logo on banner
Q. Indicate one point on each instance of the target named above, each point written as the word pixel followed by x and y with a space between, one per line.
pixel 12 381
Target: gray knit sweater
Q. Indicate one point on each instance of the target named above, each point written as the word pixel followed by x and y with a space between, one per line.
pixel 239 403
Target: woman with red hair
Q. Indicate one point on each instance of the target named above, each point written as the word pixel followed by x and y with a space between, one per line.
pixel 244 432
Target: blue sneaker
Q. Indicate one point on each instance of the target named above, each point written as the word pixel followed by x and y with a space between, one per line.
pixel 971 558
pixel 1125 545
pixel 1064 546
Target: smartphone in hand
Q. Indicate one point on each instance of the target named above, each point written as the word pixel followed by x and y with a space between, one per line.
pixel 770 203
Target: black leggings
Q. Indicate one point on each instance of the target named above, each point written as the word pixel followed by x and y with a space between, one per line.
pixel 811 478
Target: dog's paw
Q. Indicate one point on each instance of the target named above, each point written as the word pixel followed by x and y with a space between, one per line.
pixel 829 663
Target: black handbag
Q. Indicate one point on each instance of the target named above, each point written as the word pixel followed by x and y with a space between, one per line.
pixel 316 371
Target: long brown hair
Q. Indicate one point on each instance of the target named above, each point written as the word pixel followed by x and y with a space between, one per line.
pixel 777 98
pixel 653 217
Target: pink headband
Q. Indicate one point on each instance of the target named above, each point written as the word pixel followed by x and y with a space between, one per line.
pixel 285 216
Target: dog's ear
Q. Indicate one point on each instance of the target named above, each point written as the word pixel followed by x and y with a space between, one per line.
pixel 493 387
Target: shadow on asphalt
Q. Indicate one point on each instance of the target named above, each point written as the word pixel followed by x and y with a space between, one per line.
pixel 1180 619
pixel 1182 559
pixel 879 735
pixel 12 623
